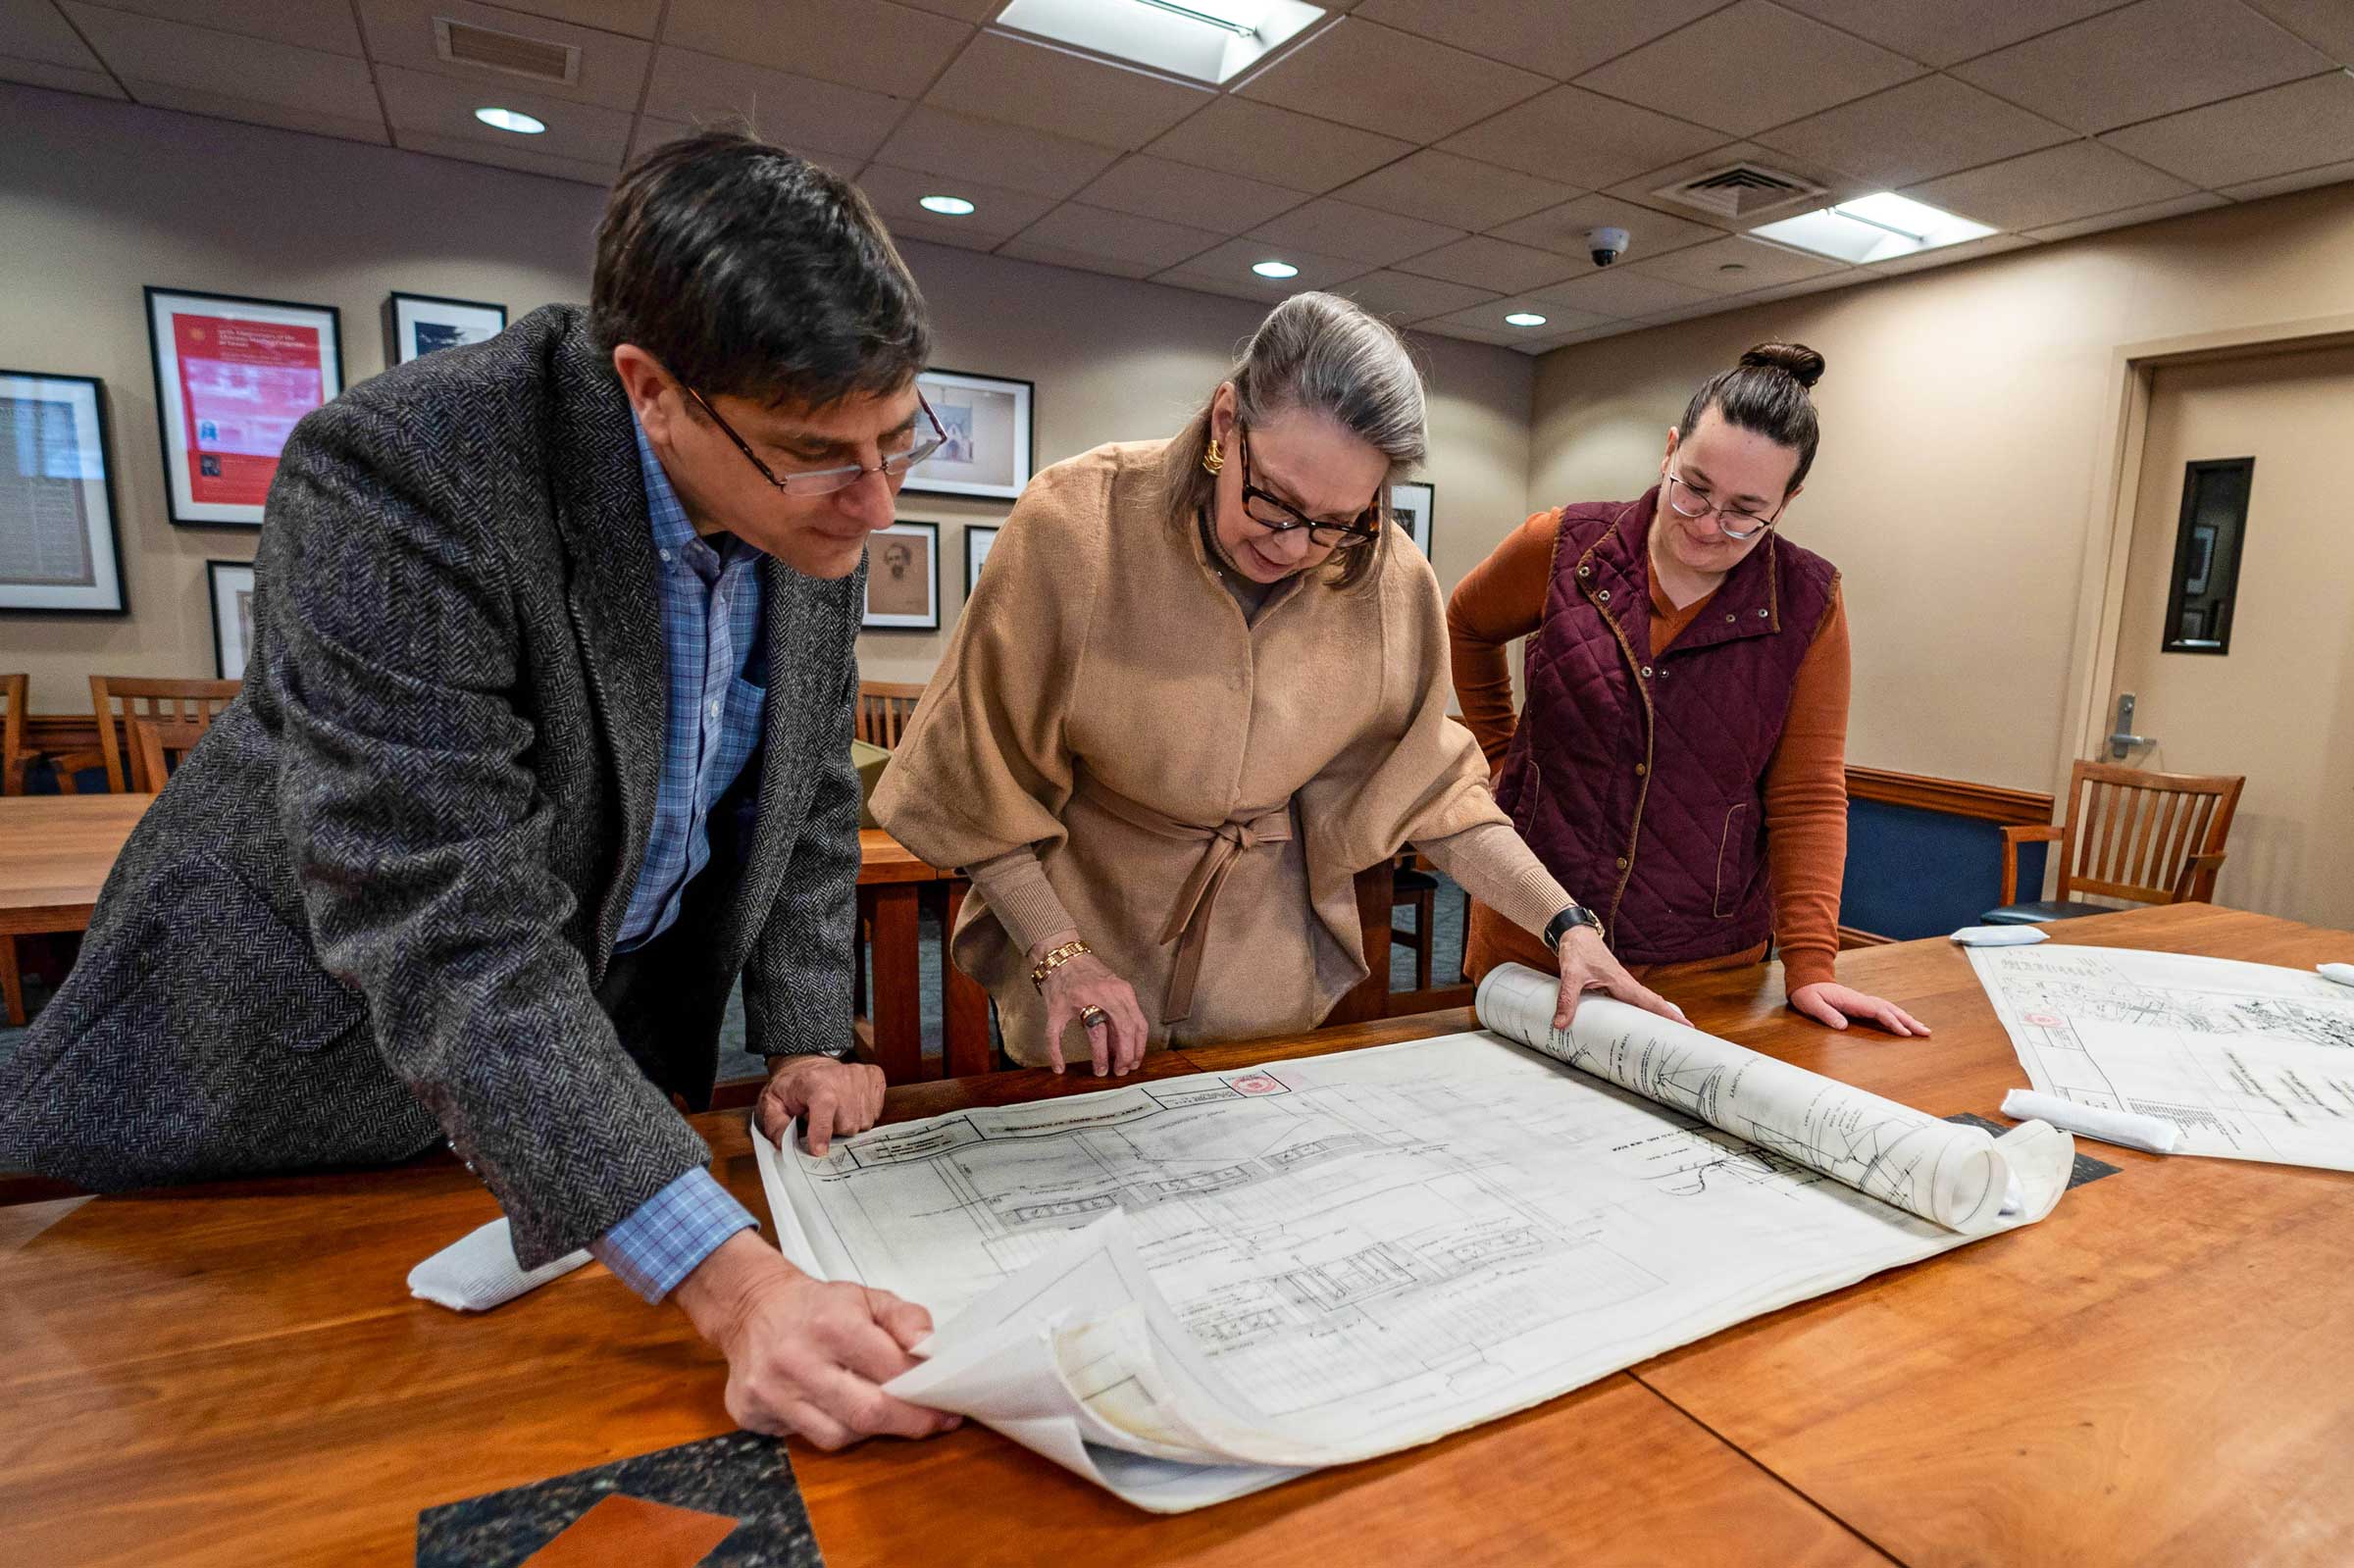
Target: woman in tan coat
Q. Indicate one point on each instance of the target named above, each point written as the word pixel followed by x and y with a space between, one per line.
pixel 1201 685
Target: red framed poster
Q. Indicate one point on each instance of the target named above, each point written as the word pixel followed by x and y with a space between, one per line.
pixel 233 378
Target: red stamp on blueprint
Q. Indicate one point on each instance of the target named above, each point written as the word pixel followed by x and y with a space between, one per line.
pixel 1255 1083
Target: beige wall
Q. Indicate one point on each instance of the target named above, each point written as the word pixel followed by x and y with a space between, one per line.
pixel 97 199
pixel 1964 413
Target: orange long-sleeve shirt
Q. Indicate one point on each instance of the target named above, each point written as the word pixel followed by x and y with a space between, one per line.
pixel 1503 599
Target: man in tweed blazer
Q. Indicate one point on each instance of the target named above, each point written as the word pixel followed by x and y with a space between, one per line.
pixel 543 741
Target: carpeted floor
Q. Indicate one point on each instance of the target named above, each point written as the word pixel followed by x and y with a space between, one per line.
pixel 737 1063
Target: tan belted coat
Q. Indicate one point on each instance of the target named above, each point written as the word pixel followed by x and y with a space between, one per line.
pixel 1200 789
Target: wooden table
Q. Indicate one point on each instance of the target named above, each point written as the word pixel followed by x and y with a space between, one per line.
pixel 2156 1374
pixel 55 852
pixel 897 885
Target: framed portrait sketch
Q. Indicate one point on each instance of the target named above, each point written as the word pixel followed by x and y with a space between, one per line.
pixel 902 577
pixel 977 540
pixel 1410 505
pixel 990 446
pixel 232 586
pixel 59 546
pixel 416 324
pixel 232 378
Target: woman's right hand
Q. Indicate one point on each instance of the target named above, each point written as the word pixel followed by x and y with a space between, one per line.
pixel 1076 985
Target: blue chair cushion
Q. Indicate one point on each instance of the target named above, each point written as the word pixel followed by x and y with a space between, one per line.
pixel 2036 914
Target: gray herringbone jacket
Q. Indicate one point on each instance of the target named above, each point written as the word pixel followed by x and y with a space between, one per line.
pixel 377 905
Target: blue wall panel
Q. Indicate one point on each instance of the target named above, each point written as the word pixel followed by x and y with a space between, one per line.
pixel 1913 873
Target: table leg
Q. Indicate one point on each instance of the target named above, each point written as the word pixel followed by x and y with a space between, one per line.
pixel 963 1004
pixel 1370 999
pixel 895 986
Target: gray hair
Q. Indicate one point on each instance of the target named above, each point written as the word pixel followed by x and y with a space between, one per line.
pixel 1327 355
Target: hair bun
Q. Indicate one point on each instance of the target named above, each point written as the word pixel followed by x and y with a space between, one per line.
pixel 1800 363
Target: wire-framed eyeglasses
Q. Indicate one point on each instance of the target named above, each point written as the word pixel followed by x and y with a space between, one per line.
pixel 1279 517
pixel 1737 525
pixel 826 481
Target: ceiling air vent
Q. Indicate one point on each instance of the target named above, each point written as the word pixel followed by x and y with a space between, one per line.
pixel 1740 190
pixel 465 44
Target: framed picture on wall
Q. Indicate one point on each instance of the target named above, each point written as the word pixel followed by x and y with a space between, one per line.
pixel 1410 505
pixel 232 586
pixel 990 446
pixel 59 546
pixel 977 540
pixel 416 324
pixel 902 577
pixel 232 375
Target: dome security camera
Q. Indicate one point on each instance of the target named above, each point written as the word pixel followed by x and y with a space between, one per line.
pixel 1607 245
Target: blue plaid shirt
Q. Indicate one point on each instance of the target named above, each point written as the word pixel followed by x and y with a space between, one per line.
pixel 711 624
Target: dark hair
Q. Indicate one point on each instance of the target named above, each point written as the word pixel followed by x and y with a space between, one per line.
pixel 751 273
pixel 1767 392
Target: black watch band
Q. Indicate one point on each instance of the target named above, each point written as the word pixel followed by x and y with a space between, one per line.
pixel 1576 914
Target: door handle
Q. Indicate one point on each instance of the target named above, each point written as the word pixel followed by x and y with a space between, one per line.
pixel 2123 740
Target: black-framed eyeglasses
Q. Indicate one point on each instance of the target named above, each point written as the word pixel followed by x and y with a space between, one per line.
pixel 826 481
pixel 1279 518
pixel 1727 518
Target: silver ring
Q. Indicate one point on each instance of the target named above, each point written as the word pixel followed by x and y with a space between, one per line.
pixel 1090 1017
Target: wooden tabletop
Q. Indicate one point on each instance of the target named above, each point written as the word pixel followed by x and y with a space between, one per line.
pixel 2154 1374
pixel 55 852
pixel 884 859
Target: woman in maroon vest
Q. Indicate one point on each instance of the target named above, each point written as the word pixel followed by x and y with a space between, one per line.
pixel 1681 752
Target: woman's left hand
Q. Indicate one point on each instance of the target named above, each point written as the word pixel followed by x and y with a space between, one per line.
pixel 1587 964
pixel 1833 1004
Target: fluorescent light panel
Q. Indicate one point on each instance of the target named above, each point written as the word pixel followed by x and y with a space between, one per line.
pixel 1874 229
pixel 1208 40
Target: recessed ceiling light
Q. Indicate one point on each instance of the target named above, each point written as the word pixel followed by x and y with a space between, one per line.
pixel 1524 318
pixel 1275 269
pixel 945 206
pixel 1734 267
pixel 514 120
pixel 1874 229
pixel 1208 40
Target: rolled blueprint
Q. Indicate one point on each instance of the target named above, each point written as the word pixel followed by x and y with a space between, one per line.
pixel 1941 1170
pixel 2129 1128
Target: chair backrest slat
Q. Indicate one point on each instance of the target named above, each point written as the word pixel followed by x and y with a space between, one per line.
pixel 883 711
pixel 12 734
pixel 2131 835
pixel 190 702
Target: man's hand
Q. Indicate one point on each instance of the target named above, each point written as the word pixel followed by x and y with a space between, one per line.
pixel 836 1096
pixel 806 1357
pixel 1117 1044
pixel 1828 1002
pixel 1586 964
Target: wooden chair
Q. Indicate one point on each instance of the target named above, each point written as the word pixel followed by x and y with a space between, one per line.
pixel 175 705
pixel 2147 838
pixel 883 711
pixel 156 746
pixel 1420 890
pixel 13 755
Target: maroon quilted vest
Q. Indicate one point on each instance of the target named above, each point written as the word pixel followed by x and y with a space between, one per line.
pixel 1640 781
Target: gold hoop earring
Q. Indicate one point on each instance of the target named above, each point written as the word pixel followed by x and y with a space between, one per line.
pixel 1214 461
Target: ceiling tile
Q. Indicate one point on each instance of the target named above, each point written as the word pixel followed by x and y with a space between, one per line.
pixel 1615 291
pixel 2327 25
pixel 1495 265
pixel 1378 78
pixel 1029 250
pixel 1338 228
pixel 1921 261
pixel 1277 146
pixel 859 44
pixel 2196 201
pixel 1226 270
pixel 1010 79
pixel 997 214
pixel 941 143
pixel 652 132
pixel 191 101
pixel 972 10
pixel 2149 58
pixel 1445 187
pixel 942 231
pixel 321 24
pixel 1146 242
pixel 35 33
pixel 257 70
pixel 795 112
pixel 1405 297
pixel 2271 132
pixel 1850 279
pixel 1916 132
pixel 436 106
pixel 612 68
pixel 1750 66
pixel 1581 138
pixel 637 18
pixel 2283 185
pixel 526 160
pixel 1536 37
pixel 1560 321
pixel 1737 265
pixel 1939 32
pixel 2074 180
pixel 1207 198
pixel 60 79
pixel 1563 228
